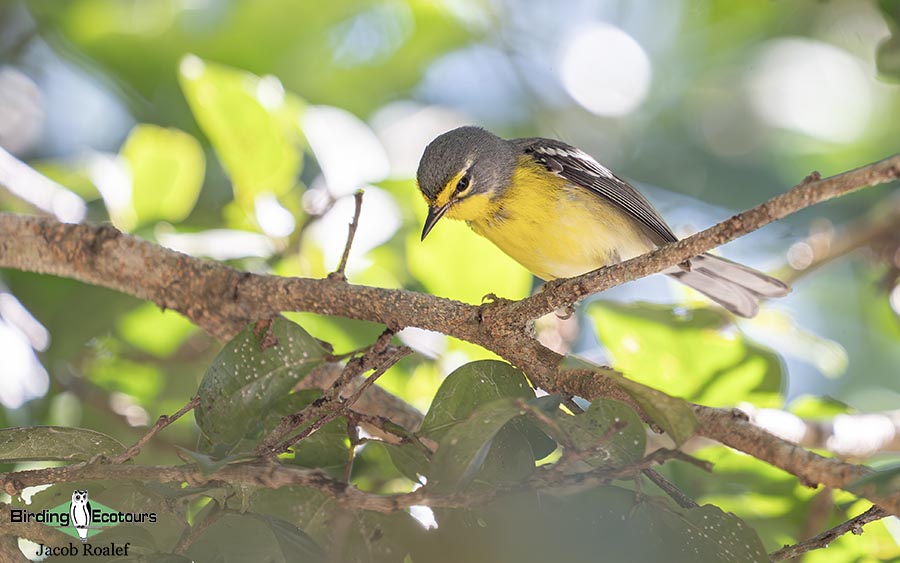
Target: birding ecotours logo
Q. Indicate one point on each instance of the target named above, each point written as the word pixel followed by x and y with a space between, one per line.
pixel 81 517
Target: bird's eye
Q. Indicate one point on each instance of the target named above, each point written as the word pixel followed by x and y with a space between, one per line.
pixel 463 184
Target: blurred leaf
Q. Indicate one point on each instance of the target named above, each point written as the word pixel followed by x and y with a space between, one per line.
pixel 158 332
pixel 246 537
pixel 610 429
pixel 817 408
pixel 456 263
pixel 464 447
pixel 601 524
pixel 109 370
pixel 167 168
pixel 254 371
pixel 55 443
pixel 468 387
pixel 878 483
pixel 249 122
pixel 673 415
pixel 699 357
pixel 308 509
pixel 888 55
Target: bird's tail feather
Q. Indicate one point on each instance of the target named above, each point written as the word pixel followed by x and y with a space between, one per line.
pixel 734 286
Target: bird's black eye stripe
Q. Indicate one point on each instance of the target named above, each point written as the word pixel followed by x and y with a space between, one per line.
pixel 463 184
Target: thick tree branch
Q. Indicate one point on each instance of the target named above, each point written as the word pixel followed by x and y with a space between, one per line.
pixel 276 475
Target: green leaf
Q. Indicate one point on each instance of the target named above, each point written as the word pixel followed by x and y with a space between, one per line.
pixel 237 538
pixel 468 387
pixel 409 459
pixel 250 375
pixel 610 429
pixel 167 168
pixel 602 524
pixel 55 443
pixel 464 448
pixel 878 483
pixel 327 448
pixel 250 122
pixel 699 357
pixel 509 460
pixel 673 415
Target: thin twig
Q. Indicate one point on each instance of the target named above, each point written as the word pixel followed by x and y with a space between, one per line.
pixel 161 423
pixel 191 533
pixel 854 525
pixel 354 224
pixel 670 489
pixel 353 368
pixel 337 408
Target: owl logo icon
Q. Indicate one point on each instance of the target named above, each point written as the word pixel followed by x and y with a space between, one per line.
pixel 80 511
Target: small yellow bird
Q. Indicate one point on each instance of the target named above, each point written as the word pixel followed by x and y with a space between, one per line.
pixel 560 213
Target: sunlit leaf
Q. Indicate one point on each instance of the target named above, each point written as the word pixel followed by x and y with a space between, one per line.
pixel 698 356
pixel 167 168
pixel 672 414
pixel 155 331
pixel 248 120
pixel 455 262
pixel 55 443
pixel 255 370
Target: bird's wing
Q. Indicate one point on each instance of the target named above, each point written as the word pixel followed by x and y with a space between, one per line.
pixel 580 168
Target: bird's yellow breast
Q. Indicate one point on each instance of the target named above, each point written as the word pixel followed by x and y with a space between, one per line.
pixel 554 228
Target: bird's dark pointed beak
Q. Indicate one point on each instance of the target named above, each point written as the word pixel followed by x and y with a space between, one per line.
pixel 434 215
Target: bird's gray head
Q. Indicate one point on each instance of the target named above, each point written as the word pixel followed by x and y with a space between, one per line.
pixel 461 163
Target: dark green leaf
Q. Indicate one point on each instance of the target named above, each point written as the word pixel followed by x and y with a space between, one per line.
pixel 250 375
pixel 237 538
pixel 673 415
pixel 509 460
pixel 327 448
pixel 55 443
pixel 467 388
pixel 610 430
pixel 602 524
pixel 409 459
pixel 464 448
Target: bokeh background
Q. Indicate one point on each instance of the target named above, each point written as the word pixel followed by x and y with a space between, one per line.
pixel 238 130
